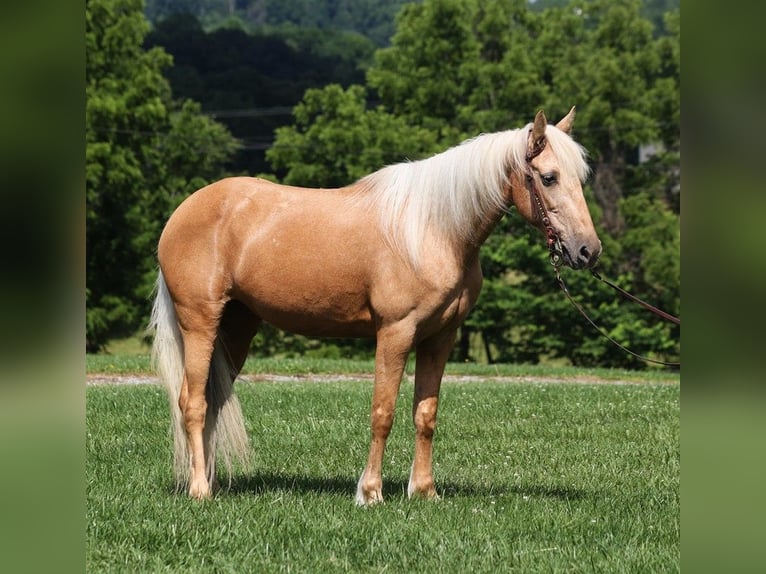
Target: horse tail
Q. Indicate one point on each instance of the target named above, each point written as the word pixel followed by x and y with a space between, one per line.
pixel 228 435
pixel 224 424
pixel 168 363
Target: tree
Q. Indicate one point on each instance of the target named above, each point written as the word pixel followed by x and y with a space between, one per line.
pixel 144 153
pixel 251 80
pixel 460 66
pixel 335 140
pixel 373 19
pixel 603 52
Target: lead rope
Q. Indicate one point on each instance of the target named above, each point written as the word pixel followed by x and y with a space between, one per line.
pixel 644 304
pixel 604 333
pixel 554 249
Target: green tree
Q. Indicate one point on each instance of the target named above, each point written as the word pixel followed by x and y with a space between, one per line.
pixel 335 140
pixel 144 153
pixel 251 80
pixel 603 53
pixel 374 19
pixel 459 66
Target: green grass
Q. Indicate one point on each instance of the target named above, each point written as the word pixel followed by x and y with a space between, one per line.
pixel 533 477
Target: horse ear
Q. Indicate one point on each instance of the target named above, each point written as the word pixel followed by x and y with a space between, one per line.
pixel 565 125
pixel 538 131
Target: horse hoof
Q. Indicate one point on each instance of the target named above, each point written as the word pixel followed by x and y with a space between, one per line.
pixel 368 494
pixel 425 491
pixel 369 500
pixel 425 494
pixel 200 491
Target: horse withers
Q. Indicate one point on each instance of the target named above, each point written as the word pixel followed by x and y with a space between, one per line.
pixel 394 256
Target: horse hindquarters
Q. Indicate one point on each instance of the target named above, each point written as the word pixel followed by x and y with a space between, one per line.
pixel 198 374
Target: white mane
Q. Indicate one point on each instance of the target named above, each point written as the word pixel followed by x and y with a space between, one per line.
pixel 451 192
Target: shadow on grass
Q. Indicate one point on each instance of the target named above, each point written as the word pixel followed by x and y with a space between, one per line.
pixel 265 482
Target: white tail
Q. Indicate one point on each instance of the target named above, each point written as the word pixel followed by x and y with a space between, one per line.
pixel 224 425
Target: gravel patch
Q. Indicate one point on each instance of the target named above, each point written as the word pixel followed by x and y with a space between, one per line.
pixel 102 379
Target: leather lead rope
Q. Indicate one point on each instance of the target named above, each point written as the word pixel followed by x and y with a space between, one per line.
pixel 604 333
pixel 644 304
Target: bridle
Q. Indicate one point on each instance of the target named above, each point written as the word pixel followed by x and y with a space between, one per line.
pixel 556 259
pixel 552 238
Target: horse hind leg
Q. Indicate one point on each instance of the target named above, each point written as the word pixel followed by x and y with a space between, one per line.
pixel 184 337
pixel 212 416
pixel 193 403
pixel 225 432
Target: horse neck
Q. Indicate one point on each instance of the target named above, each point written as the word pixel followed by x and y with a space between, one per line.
pixel 456 197
pixel 489 220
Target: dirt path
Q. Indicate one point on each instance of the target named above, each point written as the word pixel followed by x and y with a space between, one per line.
pixel 104 379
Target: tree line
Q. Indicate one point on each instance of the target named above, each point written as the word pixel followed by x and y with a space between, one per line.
pixel 372 19
pixel 453 69
pixel 250 81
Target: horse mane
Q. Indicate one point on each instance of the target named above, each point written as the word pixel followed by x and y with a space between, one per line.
pixel 451 191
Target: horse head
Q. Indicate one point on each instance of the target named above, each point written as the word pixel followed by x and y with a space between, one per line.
pixel 548 191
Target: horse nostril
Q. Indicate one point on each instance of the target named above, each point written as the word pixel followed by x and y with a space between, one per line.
pixel 588 257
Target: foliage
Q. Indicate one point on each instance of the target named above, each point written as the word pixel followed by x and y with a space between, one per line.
pixel 144 153
pixel 533 477
pixel 335 140
pixel 448 67
pixel 249 81
pixel 373 19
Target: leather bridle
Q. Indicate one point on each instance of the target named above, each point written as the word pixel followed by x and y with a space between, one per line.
pixel 552 238
pixel 556 258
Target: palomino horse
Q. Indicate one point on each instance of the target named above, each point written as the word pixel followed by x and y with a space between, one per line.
pixel 393 256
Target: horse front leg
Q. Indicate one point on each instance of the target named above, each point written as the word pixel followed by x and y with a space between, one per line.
pixel 431 357
pixel 393 346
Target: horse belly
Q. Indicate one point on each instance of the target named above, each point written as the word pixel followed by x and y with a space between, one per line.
pixel 308 308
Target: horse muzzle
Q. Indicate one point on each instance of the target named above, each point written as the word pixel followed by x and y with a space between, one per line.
pixel 583 256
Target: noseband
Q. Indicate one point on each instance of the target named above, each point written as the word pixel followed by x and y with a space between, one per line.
pixel 556 258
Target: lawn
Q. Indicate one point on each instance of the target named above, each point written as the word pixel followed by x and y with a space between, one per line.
pixel 534 477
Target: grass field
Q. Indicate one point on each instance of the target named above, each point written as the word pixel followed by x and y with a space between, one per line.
pixel 534 477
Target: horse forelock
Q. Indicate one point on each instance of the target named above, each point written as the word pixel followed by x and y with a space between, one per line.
pixel 571 156
pixel 450 192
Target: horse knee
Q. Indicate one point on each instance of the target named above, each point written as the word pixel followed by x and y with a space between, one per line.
pixel 425 417
pixel 382 421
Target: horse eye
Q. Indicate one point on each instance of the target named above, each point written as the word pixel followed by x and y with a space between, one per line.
pixel 548 179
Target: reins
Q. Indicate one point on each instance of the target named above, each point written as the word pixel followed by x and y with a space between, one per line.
pixel 556 259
